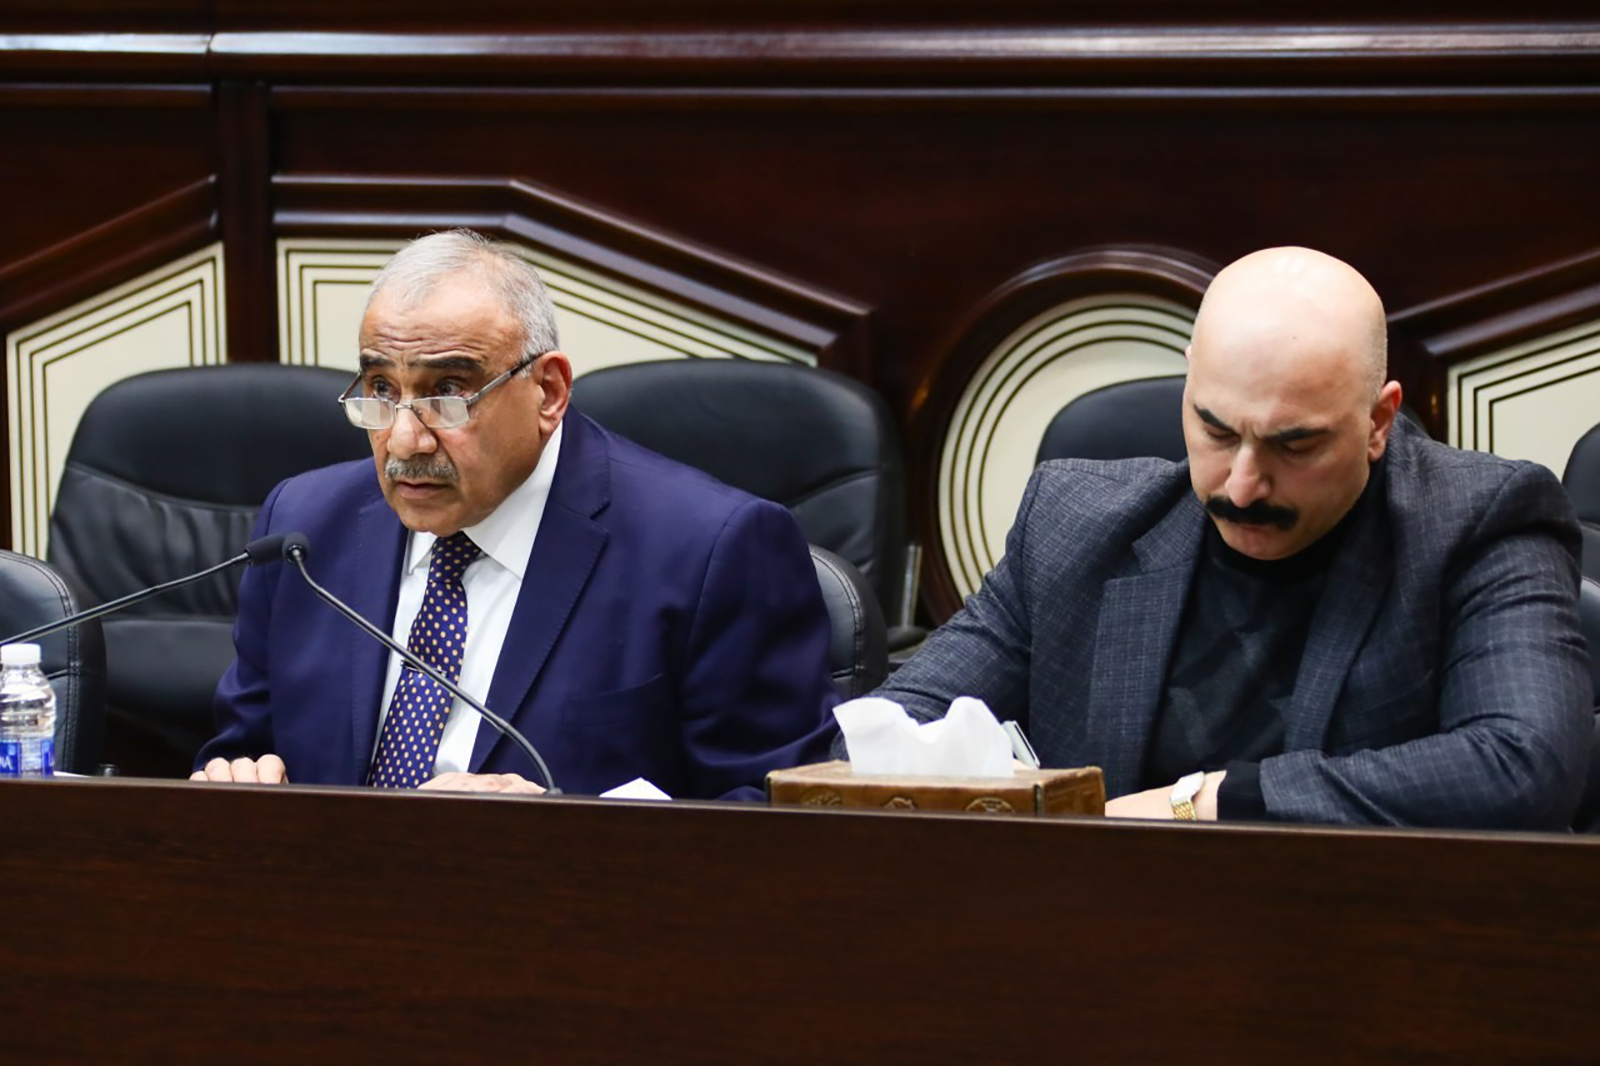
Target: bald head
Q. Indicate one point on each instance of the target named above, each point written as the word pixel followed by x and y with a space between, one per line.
pixel 1286 406
pixel 1293 304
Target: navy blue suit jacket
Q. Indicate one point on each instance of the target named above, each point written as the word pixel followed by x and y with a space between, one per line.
pixel 668 627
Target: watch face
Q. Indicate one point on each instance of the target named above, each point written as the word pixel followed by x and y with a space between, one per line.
pixel 1188 787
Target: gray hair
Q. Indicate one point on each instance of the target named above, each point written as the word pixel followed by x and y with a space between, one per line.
pixel 426 261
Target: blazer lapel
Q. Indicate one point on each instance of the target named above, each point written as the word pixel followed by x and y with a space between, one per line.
pixel 380 548
pixel 563 557
pixel 1344 613
pixel 1139 617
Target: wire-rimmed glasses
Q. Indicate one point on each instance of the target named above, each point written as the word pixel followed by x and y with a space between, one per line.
pixel 435 412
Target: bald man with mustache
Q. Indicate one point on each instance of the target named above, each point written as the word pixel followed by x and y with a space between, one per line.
pixel 1322 616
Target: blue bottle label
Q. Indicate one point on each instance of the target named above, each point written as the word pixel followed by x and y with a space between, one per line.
pixel 28 758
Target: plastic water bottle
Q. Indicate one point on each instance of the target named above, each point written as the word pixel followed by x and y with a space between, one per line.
pixel 27 714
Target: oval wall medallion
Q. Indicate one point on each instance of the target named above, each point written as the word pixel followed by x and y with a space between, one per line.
pixel 1070 349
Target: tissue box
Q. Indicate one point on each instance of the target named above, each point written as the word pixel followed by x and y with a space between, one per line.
pixel 1031 793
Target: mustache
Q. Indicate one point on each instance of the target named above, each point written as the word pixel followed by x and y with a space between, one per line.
pixel 421 468
pixel 1260 513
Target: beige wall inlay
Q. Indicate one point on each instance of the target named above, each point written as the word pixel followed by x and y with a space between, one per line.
pixel 989 449
pixel 169 317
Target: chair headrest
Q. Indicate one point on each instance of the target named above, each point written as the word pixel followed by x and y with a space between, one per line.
pixel 1581 478
pixel 1127 420
pixel 161 430
pixel 796 428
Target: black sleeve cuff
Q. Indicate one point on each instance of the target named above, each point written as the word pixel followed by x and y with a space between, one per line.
pixel 1239 799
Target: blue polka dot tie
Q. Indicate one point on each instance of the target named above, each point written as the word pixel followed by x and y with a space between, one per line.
pixel 415 723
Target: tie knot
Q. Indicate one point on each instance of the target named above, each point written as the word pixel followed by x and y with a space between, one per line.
pixel 452 554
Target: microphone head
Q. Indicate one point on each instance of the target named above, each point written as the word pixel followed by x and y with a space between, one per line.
pixel 296 546
pixel 267 549
pixel 276 547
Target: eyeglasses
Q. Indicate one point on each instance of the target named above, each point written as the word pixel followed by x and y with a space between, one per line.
pixel 435 412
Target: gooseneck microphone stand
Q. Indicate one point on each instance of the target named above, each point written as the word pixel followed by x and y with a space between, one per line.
pixel 295 549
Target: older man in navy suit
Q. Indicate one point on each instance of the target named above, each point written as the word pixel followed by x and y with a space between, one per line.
pixel 631 616
pixel 1322 616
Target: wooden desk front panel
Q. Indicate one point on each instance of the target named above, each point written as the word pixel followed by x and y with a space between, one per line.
pixel 152 920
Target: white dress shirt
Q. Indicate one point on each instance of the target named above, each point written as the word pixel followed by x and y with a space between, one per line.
pixel 492 583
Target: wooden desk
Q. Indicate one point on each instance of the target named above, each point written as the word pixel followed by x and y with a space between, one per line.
pixel 168 921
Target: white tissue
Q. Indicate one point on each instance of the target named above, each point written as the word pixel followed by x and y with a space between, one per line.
pixel 637 789
pixel 883 739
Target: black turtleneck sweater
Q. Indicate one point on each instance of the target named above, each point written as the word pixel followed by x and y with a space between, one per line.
pixel 1231 678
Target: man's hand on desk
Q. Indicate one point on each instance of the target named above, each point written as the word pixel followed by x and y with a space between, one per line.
pixel 267 770
pixel 459 782
pixel 1157 802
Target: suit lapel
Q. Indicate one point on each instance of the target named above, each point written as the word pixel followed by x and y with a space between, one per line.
pixel 380 548
pixel 563 557
pixel 1344 613
pixel 1139 617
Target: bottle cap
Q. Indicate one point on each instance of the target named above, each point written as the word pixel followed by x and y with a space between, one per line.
pixel 19 655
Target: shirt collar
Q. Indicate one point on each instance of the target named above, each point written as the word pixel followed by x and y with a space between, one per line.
pixel 506 536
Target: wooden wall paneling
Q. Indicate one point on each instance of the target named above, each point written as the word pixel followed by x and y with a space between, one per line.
pixel 244 165
pixel 103 255
pixel 922 207
pixel 80 156
pixel 123 17
pixel 1056 52
pixel 906 159
pixel 428 16
pixel 100 54
pixel 1524 334
pixel 641 256
pixel 103 182
pixel 1505 310
pixel 919 204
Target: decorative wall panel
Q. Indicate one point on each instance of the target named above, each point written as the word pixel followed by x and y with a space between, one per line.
pixel 857 180
pixel 1532 400
pixel 1061 354
pixel 55 366
pixel 323 284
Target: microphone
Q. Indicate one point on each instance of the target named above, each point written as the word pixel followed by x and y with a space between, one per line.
pixel 261 550
pixel 295 547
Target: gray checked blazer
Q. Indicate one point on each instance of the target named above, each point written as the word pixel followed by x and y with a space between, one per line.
pixel 1444 682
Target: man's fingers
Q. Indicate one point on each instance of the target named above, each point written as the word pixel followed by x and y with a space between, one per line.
pixel 515 783
pixel 451 782
pixel 268 770
pixel 459 782
pixel 271 770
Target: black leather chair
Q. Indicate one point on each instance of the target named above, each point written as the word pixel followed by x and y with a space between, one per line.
pixel 1588 818
pixel 32 594
pixel 165 476
pixel 1581 479
pixel 1126 420
pixel 817 442
pixel 859 654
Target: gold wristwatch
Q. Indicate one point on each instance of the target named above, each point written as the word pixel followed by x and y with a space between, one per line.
pixel 1183 794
